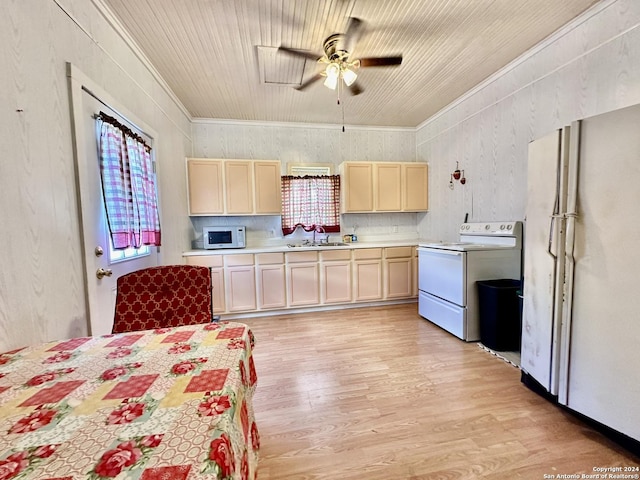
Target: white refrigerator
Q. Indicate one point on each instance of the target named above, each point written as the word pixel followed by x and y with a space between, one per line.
pixel 581 307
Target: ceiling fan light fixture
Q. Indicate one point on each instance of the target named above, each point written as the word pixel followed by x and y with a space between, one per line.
pixel 349 76
pixel 331 82
pixel 332 72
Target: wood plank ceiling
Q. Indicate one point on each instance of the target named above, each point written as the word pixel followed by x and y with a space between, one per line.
pixel 219 56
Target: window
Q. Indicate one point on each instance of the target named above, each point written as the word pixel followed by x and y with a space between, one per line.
pixel 311 169
pixel 311 202
pixel 127 253
pixel 128 186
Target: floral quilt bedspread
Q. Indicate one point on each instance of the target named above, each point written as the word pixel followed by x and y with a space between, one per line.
pixel 172 403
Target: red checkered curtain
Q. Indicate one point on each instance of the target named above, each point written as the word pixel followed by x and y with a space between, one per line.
pixel 311 202
pixel 128 185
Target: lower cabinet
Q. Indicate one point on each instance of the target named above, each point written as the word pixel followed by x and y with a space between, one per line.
pixel 303 280
pixel 217 285
pixel 414 269
pixel 276 280
pixel 335 275
pixel 271 280
pixel 367 275
pixel 215 262
pixel 240 279
pixel 398 275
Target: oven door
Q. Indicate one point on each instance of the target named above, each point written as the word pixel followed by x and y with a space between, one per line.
pixel 443 273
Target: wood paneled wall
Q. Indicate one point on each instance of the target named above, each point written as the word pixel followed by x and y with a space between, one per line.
pixel 303 143
pixel 41 276
pixel 589 67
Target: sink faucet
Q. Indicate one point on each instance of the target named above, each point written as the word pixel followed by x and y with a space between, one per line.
pixel 319 229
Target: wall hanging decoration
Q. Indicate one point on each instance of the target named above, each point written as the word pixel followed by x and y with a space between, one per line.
pixel 457 175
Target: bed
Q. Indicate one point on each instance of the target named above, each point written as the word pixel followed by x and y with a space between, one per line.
pixel 172 403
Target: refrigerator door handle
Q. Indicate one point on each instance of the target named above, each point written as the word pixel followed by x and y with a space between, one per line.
pixel 556 231
pixel 552 224
pixel 558 338
pixel 569 264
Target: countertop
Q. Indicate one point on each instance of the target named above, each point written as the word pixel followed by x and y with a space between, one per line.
pixel 284 248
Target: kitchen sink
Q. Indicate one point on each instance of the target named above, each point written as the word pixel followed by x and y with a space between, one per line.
pixel 316 245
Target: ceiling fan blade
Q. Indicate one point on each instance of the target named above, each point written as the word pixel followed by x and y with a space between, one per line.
pixel 381 61
pixel 299 53
pixel 309 82
pixel 355 89
pixel 351 36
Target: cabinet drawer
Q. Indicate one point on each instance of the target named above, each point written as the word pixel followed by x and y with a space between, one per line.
pixel 398 252
pixel 205 260
pixel 274 258
pixel 299 257
pixel 367 253
pixel 239 260
pixel 335 255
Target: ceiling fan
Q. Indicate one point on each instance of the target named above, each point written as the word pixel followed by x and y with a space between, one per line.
pixel 337 62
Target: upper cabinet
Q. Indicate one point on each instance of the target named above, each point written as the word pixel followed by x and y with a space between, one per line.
pixel 415 185
pixel 205 186
pixel 384 187
pixel 233 187
pixel 357 186
pixel 238 187
pixel 387 187
pixel 268 200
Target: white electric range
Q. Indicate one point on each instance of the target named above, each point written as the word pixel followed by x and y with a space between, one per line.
pixel 448 272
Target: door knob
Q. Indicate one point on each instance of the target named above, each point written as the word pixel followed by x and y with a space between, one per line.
pixel 101 272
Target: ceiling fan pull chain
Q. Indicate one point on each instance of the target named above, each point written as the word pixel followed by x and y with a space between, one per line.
pixel 341 104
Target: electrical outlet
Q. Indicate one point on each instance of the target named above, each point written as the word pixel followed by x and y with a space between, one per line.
pixel 395 229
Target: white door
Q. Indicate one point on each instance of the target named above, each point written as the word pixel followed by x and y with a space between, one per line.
pixel 101 292
pixel 604 378
pixel 544 257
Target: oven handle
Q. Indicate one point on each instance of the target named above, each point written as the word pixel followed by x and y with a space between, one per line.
pixel 438 251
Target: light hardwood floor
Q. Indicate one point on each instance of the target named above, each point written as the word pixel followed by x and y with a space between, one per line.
pixel 380 393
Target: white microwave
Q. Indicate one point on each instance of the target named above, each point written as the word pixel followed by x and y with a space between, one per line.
pixel 223 237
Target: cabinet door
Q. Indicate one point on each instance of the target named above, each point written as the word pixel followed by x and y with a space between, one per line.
pixel 241 288
pixel 336 282
pixel 238 187
pixel 416 187
pixel 358 188
pixel 303 284
pixel 367 280
pixel 268 199
pixel 217 285
pixel 414 273
pixel 271 286
pixel 205 187
pixel 217 278
pixel 398 277
pixel 387 182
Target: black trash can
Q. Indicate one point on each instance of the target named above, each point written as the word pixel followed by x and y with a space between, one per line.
pixel 499 312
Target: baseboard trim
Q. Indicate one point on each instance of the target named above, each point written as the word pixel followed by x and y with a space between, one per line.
pixel 291 311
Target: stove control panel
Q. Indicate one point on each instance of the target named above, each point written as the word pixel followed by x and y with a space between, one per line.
pixel 491 228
